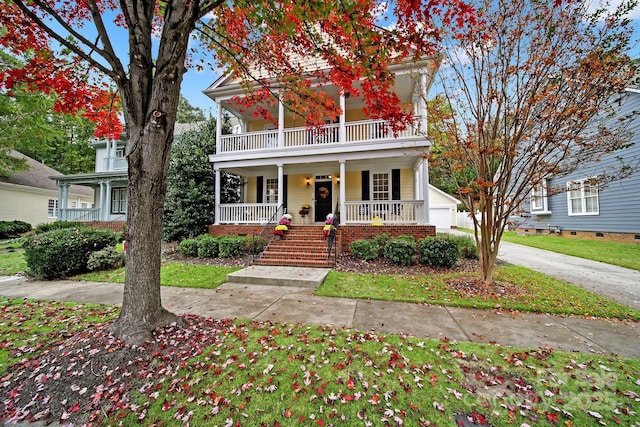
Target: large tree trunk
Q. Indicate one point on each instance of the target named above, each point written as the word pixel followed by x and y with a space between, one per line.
pixel 142 310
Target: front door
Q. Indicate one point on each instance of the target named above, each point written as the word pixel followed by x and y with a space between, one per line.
pixel 323 198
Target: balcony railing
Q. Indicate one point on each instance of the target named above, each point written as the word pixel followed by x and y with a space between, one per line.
pixel 79 215
pixel 117 164
pixel 360 131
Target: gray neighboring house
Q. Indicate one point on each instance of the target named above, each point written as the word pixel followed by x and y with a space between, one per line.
pixel 585 209
pixel 32 197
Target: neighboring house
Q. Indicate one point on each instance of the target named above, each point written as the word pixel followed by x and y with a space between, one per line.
pixel 585 208
pixel 355 166
pixel 108 182
pixel 32 197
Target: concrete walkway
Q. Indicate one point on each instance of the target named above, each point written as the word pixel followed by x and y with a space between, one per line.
pixel 299 305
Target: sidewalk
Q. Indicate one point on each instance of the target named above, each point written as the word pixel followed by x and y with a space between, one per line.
pixel 299 305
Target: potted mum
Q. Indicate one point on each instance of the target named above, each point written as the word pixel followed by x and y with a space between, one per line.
pixel 304 209
pixel 282 226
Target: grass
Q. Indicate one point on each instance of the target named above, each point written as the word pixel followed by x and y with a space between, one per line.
pixel 12 261
pixel 239 373
pixel 529 291
pixel 615 253
pixel 29 326
pixel 172 274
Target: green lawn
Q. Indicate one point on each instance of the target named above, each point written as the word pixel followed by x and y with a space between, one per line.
pixel 12 261
pixel 527 290
pixel 615 253
pixel 253 373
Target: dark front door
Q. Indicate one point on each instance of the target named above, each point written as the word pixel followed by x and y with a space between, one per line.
pixel 323 200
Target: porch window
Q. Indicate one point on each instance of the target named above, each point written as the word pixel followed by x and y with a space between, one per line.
pixel 52 208
pixel 119 201
pixel 380 186
pixel 582 197
pixel 271 190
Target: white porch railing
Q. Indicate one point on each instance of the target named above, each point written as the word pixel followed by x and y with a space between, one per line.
pixel 385 212
pixel 247 213
pixel 117 164
pixel 80 215
pixel 365 130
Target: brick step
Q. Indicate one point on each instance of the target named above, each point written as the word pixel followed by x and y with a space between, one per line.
pixel 298 244
pixel 295 257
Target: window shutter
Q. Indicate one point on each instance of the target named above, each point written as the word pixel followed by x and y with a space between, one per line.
pixel 285 189
pixel 395 184
pixel 365 185
pixel 260 189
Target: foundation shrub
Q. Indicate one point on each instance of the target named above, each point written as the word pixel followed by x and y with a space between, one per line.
pixel 188 247
pixel 364 249
pixel 15 228
pixel 207 246
pixel 230 246
pixel 400 251
pixel 64 252
pixel 381 240
pixel 467 246
pixel 56 225
pixel 438 252
pixel 105 259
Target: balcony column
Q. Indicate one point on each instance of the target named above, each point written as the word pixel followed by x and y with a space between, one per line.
pixel 423 105
pixel 280 185
pixel 342 135
pixel 280 124
pixel 216 204
pixel 343 186
pixel 218 128
pixel 424 183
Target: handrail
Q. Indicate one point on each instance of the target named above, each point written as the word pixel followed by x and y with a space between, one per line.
pixel 331 240
pixel 271 224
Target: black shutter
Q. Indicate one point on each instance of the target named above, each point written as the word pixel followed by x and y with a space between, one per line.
pixel 260 189
pixel 395 184
pixel 285 188
pixel 365 185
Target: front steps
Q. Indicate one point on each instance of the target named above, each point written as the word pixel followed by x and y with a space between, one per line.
pixel 301 246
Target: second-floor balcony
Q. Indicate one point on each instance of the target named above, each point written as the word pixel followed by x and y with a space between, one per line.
pixel 114 164
pixel 364 131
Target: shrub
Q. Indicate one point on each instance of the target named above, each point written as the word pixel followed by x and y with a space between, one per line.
pixel 400 251
pixel 230 246
pixel 64 252
pixel 188 247
pixel 105 259
pixel 13 228
pixel 254 244
pixel 57 225
pixel 467 246
pixel 207 246
pixel 381 240
pixel 438 252
pixel 364 249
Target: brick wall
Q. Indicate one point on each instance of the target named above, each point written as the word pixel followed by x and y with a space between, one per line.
pixel 349 233
pixel 586 235
pixel 117 226
pixel 235 229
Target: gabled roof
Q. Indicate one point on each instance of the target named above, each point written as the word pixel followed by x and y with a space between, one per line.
pixel 37 176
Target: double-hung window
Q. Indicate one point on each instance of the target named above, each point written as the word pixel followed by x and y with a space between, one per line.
pixel 52 208
pixel 271 190
pixel 119 201
pixel 538 202
pixel 381 186
pixel 582 197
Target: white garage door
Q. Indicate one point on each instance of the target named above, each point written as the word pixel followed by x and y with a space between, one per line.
pixel 440 217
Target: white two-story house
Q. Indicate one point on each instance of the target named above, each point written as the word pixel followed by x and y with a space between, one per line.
pixel 356 166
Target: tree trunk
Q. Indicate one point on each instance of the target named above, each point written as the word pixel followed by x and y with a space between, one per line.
pixel 142 310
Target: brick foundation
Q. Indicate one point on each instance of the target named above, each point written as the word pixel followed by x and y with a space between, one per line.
pixel 235 229
pixel 349 233
pixel 586 235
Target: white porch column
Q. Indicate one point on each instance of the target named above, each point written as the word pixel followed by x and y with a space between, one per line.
pixel 424 170
pixel 65 200
pixel 218 126
pixel 216 204
pixel 101 201
pixel 280 124
pixel 108 164
pixel 343 187
pixel 342 135
pixel 59 212
pixel 107 211
pixel 280 184
pixel 423 105
pixel 417 191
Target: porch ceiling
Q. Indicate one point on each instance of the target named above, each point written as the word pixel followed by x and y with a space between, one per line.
pixel 326 168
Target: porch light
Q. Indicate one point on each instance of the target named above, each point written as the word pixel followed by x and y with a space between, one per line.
pixel 308 181
pixel 337 180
